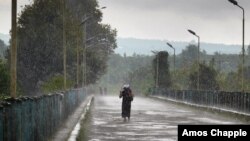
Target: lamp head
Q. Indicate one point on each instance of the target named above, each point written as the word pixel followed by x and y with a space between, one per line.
pixel 233 2
pixel 192 32
pixel 104 7
pixel 84 20
pixel 169 45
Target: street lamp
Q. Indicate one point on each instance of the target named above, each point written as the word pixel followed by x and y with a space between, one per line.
pixel 108 75
pixel 64 50
pixel 85 54
pixel 84 21
pixel 174 56
pixel 77 58
pixel 86 18
pixel 198 74
pixel 104 7
pixel 243 41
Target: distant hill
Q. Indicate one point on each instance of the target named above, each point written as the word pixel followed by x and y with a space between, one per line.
pixel 5 38
pixel 145 47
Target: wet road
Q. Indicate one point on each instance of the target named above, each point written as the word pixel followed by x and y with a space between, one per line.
pixel 151 120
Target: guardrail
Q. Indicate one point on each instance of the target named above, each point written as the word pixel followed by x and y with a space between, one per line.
pixel 36 118
pixel 231 101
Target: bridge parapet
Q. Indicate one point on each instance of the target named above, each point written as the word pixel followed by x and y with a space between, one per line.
pixel 37 118
pixel 236 102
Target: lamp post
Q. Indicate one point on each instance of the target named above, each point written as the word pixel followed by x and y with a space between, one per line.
pixel 64 49
pixel 107 46
pixel 86 18
pixel 243 41
pixel 84 54
pixel 174 56
pixel 13 49
pixel 77 57
pixel 198 74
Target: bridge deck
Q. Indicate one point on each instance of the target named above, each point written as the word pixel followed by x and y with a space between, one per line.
pixel 151 119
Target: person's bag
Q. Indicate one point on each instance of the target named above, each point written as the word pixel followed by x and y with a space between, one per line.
pixel 131 98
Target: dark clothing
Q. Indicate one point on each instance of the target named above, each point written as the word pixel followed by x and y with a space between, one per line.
pixel 127 96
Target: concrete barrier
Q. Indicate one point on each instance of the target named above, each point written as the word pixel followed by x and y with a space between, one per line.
pixel 37 118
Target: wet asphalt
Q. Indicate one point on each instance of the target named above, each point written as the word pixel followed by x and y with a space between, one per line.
pixel 151 120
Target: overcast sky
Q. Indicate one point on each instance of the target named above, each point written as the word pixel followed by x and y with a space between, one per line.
pixel 216 21
pixel 5 14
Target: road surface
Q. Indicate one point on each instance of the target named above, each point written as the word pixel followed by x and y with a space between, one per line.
pixel 151 120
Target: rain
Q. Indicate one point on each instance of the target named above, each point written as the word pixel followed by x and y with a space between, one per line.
pixel 116 70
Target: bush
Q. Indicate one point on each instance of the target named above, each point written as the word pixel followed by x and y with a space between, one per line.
pixel 55 84
pixel 4 79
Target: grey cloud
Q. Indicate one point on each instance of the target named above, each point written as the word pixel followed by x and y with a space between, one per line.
pixel 169 19
pixel 163 4
pixel 201 8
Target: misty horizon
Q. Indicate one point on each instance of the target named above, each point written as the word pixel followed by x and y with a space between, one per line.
pixel 131 46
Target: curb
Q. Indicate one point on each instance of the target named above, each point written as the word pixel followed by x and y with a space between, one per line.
pixel 76 130
pixel 67 128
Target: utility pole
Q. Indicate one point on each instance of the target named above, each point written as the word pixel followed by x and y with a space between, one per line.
pixel 107 47
pixel 77 58
pixel 198 58
pixel 174 57
pixel 84 50
pixel 13 60
pixel 234 2
pixel 84 81
pixel 243 49
pixel 64 50
pixel 85 53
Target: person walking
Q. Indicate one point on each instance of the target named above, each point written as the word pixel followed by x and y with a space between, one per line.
pixel 127 97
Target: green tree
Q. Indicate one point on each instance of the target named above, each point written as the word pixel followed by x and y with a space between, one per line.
pixel 238 79
pixel 135 70
pixel 3 47
pixel 247 78
pixel 141 79
pixel 181 79
pixel 4 79
pixel 190 55
pixel 40 46
pixel 232 82
pixel 98 54
pixel 161 69
pixel 207 76
pixel 54 84
pixel 248 50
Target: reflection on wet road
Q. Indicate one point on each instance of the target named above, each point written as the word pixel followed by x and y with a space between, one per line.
pixel 151 120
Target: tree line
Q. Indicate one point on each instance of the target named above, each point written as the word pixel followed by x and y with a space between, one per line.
pixel 144 72
pixel 40 44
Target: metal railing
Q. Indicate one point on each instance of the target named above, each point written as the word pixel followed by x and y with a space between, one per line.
pixel 231 101
pixel 37 118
